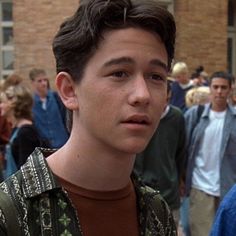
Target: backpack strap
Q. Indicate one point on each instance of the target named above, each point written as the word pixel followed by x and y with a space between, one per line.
pixel 10 213
pixel 200 110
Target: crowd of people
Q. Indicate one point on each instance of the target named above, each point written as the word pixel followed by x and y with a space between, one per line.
pixel 191 156
pixel 129 145
pixel 30 117
pixel 210 120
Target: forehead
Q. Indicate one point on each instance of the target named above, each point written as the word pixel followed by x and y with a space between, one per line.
pixel 41 76
pixel 218 81
pixel 131 40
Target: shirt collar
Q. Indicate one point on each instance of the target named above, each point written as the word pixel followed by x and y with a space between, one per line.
pixel 37 176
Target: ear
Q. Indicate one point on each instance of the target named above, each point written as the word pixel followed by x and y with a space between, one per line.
pixel 66 89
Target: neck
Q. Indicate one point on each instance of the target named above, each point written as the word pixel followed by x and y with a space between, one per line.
pixel 219 108
pixel 42 95
pixel 94 170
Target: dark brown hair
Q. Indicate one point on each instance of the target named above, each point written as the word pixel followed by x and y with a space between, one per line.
pixel 79 36
pixel 35 72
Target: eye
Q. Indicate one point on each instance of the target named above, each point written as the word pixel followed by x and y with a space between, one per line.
pixel 157 77
pixel 119 74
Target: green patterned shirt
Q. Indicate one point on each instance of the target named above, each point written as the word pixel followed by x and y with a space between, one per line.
pixel 44 208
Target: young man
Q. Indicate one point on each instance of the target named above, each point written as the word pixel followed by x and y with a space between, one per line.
pixel 112 61
pixel 211 154
pixel 48 111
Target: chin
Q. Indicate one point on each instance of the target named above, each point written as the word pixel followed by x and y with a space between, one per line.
pixel 135 147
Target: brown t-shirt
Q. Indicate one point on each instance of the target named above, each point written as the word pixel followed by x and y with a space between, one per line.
pixel 108 213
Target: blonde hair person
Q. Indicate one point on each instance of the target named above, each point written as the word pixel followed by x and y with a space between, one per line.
pixel 16 106
pixel 181 85
pixel 180 68
pixel 197 96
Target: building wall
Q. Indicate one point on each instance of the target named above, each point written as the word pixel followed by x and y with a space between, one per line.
pixel 201 33
pixel 35 24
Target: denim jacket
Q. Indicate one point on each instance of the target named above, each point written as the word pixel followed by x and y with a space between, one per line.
pixel 44 208
pixel 50 121
pixel 194 135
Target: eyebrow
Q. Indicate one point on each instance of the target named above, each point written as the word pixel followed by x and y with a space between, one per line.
pixel 128 60
pixel 157 62
pixel 120 60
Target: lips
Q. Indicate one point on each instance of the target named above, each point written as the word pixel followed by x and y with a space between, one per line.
pixel 138 119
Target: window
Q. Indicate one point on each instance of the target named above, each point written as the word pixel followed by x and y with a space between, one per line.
pixel 230 54
pixel 231 13
pixel 6 38
pixel 231 49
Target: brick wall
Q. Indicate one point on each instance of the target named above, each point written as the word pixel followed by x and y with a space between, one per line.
pixel 202 33
pixel 35 24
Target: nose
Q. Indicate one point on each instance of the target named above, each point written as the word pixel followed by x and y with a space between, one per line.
pixel 219 90
pixel 45 82
pixel 140 94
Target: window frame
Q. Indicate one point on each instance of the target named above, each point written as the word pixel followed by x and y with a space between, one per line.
pixel 5 48
pixel 231 36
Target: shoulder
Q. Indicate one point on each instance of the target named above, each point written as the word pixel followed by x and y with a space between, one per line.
pixel 27 132
pixel 33 180
pixel 159 216
pixel 27 129
pixel 231 110
pixel 175 87
pixel 191 112
pixel 11 200
pixel 229 201
pixel 155 214
pixel 225 220
pixel 176 111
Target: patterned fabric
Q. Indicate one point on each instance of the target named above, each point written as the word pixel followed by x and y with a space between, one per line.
pixel 44 208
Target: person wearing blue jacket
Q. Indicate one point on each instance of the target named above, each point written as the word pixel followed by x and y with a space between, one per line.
pixel 225 220
pixel 48 111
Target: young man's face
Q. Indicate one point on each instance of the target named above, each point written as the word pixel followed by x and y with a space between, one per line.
pixel 40 84
pixel 220 90
pixel 123 91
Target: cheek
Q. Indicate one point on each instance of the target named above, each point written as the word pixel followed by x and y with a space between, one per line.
pixel 95 105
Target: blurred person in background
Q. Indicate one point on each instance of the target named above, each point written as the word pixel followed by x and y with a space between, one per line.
pixel 211 169
pixel 225 220
pixel 197 96
pixel 200 77
pixel 5 125
pixel 16 106
pixel 180 86
pixel 48 111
